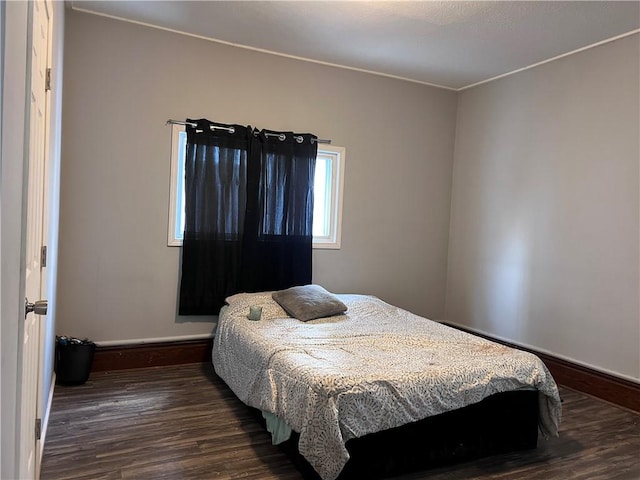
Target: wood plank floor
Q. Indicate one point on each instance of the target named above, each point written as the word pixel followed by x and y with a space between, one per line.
pixel 183 422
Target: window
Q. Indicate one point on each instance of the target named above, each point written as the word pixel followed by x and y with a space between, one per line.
pixel 329 180
pixel 327 201
pixel 176 190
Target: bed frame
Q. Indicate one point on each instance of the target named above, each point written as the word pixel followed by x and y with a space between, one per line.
pixel 501 423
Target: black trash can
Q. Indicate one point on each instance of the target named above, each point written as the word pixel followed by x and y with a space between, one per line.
pixel 73 360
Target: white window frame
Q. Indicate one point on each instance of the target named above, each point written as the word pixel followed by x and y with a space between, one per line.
pixel 175 188
pixel 335 186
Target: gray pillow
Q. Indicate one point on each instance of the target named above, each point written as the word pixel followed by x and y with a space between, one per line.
pixel 309 302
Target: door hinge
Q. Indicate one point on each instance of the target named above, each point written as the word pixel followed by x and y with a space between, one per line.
pixel 43 256
pixel 38 428
pixel 47 81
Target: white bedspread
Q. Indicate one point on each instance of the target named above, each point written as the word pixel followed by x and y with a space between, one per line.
pixel 374 368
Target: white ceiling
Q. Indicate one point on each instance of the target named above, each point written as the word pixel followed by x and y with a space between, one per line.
pixel 449 44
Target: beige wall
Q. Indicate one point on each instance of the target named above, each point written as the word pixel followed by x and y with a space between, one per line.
pixel 544 226
pixel 118 280
pixel 545 211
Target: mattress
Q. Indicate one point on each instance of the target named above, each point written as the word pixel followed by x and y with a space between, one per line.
pixel 374 368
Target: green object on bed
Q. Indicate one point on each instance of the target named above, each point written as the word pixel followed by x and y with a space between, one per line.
pixel 278 428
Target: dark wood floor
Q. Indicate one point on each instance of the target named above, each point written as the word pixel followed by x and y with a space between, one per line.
pixel 182 422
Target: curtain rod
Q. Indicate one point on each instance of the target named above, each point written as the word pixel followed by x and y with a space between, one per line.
pixel 280 136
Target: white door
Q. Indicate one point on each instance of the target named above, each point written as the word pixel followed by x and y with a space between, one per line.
pixel 34 275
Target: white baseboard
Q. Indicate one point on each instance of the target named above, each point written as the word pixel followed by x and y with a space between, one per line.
pixel 138 341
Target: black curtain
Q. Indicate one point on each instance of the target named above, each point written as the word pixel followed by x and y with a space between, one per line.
pixel 216 167
pixel 248 213
pixel 280 211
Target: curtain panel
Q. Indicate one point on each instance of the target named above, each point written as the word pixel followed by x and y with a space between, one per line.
pixel 216 167
pixel 280 212
pixel 248 213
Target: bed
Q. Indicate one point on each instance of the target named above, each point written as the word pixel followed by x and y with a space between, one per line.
pixel 334 380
